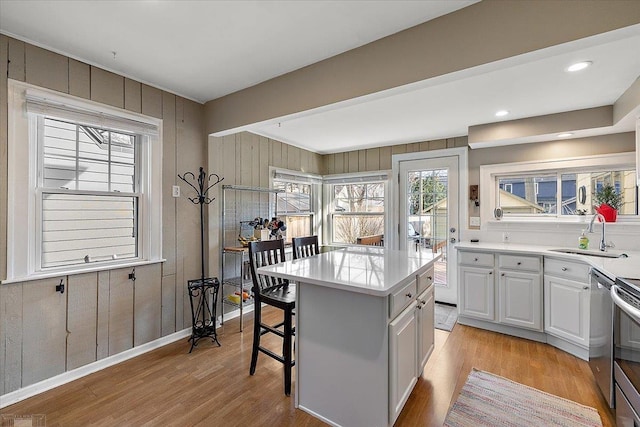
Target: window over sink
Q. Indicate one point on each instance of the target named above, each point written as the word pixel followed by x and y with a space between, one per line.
pixel 558 189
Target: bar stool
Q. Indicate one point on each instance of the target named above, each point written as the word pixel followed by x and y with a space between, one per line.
pixel 278 293
pixel 305 246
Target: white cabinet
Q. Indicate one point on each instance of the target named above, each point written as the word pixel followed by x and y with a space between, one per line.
pixel 520 291
pixel 476 293
pixel 566 300
pixel 403 351
pixel 426 325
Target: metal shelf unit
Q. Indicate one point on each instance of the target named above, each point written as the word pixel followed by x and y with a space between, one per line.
pixel 240 204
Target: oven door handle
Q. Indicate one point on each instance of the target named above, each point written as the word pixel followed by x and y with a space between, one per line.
pixel 633 312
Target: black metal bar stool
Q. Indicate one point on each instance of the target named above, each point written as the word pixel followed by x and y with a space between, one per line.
pixel 277 293
pixel 305 246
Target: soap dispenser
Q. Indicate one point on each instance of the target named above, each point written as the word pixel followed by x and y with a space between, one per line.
pixel 583 241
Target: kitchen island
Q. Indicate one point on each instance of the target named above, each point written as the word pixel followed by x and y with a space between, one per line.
pixel 364 330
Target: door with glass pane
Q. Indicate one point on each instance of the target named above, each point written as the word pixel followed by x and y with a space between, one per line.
pixel 429 215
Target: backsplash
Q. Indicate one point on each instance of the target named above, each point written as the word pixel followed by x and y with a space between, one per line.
pixel 625 236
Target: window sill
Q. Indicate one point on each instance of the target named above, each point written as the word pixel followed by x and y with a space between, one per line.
pixel 67 271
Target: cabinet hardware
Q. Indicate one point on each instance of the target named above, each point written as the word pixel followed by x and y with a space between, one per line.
pixel 491 272
pixel 429 278
pixel 585 287
pixel 519 263
pixel 408 295
pixel 502 274
pixel 60 287
pixel 564 268
pixel 475 259
pixel 419 307
pixel 132 275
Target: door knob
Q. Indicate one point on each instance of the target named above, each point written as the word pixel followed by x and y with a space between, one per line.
pixel 452 240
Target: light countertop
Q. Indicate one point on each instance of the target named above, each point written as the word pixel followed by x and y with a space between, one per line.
pixel 613 267
pixel 367 270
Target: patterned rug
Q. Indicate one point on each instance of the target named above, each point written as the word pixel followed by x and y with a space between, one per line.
pixel 446 316
pixel 490 400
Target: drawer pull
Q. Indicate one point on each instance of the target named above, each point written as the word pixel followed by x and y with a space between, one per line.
pixel 585 287
pixel 519 263
pixel 491 272
pixel 429 278
pixel 475 259
pixel 419 307
pixel 564 268
pixel 409 295
pixel 502 274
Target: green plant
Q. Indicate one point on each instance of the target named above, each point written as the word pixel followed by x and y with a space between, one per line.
pixel 607 195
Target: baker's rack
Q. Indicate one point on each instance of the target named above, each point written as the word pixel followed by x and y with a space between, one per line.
pixel 240 205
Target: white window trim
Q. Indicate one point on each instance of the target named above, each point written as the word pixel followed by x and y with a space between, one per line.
pixel 352 178
pixel 490 173
pixel 21 195
pixel 316 197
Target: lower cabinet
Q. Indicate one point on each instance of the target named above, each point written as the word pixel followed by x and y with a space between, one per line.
pixel 567 309
pixel 403 352
pixel 476 292
pixel 44 329
pixel 567 300
pixel 520 297
pixel 426 327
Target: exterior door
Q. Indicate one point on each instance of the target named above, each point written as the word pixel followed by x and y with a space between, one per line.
pixel 429 215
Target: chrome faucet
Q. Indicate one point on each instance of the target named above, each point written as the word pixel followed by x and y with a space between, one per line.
pixel 603 242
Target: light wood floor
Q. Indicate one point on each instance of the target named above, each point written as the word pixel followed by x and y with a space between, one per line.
pixel 212 386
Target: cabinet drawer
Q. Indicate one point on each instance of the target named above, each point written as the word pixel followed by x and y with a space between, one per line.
pixel 520 262
pixel 476 258
pixel 402 298
pixel 425 280
pixel 567 269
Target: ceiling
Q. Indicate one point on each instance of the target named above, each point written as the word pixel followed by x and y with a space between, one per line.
pixel 203 50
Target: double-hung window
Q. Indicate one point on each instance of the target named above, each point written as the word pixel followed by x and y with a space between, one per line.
pixel 84 185
pixel 296 202
pixel 356 206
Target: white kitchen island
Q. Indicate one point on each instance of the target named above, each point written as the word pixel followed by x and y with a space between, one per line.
pixel 364 330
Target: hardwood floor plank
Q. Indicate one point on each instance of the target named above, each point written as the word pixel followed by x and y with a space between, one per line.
pixel 212 385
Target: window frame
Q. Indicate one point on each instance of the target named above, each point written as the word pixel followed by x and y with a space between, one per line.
pixel 489 175
pixel 24 194
pixel 329 181
pixel 315 205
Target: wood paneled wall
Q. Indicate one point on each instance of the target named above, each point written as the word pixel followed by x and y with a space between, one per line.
pixel 184 149
pixel 374 159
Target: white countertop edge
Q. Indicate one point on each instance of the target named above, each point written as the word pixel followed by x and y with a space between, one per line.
pixel 347 286
pixel 612 267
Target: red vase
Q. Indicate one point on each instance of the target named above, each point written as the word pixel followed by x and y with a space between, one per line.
pixel 609 214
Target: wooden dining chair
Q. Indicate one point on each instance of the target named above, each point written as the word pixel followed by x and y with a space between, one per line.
pixel 374 240
pixel 275 292
pixel 305 246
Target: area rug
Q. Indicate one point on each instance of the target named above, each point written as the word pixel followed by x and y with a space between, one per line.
pixel 446 316
pixel 490 400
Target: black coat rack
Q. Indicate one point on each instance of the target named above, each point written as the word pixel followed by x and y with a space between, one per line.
pixel 205 289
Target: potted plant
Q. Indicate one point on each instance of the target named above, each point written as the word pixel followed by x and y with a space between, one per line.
pixel 608 202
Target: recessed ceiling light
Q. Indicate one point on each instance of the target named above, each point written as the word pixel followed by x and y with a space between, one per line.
pixel 578 66
pixel 564 135
pixel 501 113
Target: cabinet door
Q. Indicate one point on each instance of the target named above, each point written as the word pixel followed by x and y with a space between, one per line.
pixel 520 296
pixel 44 330
pixel 147 309
pixel 403 350
pixel 476 292
pixel 566 308
pixel 426 324
pixel 82 319
pixel 120 310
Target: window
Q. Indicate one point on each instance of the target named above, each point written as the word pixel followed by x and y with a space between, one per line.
pixel 356 209
pixel 296 202
pixel 84 187
pixel 560 188
pixel 87 191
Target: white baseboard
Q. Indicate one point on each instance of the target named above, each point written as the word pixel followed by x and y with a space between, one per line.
pixel 66 377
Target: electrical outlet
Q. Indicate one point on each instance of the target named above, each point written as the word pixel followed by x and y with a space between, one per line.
pixel 175 191
pixel 474 221
pixel 505 237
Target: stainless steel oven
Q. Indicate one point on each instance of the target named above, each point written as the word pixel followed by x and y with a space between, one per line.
pixel 601 333
pixel 626 355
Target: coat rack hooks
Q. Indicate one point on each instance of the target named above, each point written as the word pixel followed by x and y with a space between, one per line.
pixel 205 289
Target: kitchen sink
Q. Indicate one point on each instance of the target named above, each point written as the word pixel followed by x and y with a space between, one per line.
pixel 590 253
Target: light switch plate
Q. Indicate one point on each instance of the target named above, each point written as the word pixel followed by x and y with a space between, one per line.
pixel 474 221
pixel 175 191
